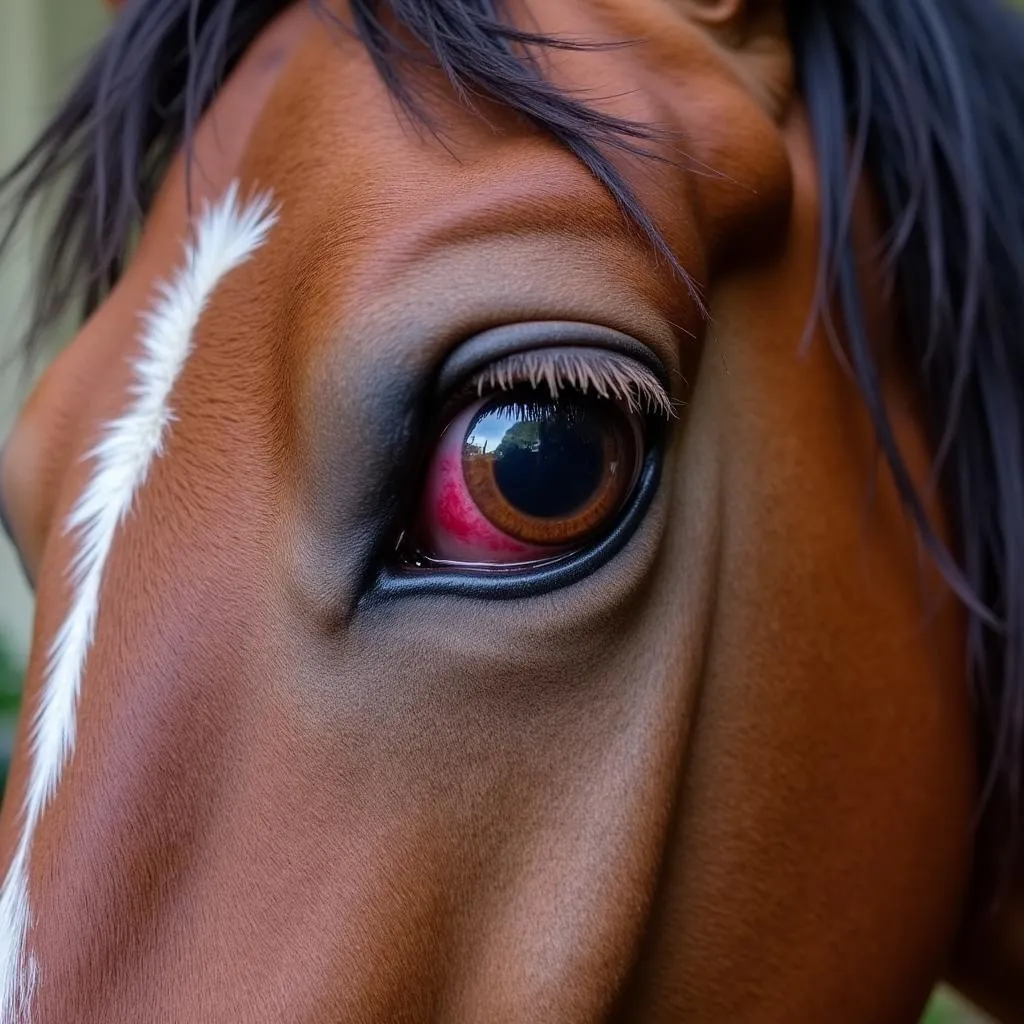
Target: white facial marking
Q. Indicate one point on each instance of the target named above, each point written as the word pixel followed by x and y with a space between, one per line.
pixel 226 235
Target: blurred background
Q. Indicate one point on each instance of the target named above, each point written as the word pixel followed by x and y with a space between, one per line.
pixel 42 45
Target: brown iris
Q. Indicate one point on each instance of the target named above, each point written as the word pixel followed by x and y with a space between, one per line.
pixel 553 471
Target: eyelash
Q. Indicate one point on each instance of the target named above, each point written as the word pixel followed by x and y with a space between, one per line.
pixel 609 374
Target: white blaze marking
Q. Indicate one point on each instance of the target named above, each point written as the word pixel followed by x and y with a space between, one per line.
pixel 226 234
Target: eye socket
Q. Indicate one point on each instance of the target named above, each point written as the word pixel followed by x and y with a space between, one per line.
pixel 528 474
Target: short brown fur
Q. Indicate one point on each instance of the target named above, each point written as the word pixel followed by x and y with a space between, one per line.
pixel 730 777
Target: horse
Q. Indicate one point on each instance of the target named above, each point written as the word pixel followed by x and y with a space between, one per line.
pixel 530 526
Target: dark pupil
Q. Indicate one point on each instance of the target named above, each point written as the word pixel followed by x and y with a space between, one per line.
pixel 549 457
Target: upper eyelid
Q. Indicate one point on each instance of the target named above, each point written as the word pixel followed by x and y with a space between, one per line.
pixel 491 346
pixel 563 353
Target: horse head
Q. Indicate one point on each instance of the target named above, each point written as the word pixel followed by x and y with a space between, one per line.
pixel 530 525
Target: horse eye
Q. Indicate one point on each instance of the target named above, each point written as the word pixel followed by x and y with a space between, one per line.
pixel 519 479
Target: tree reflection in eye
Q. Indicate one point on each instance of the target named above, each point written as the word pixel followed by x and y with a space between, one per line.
pixel 561 468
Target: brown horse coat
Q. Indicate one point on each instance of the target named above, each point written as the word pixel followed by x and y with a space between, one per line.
pixel 728 776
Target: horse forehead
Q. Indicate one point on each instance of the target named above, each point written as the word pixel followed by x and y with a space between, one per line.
pixel 337 151
pixel 675 64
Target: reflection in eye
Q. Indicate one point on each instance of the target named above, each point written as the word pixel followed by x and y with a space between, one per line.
pixel 525 476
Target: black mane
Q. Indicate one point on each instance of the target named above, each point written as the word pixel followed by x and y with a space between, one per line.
pixel 930 91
